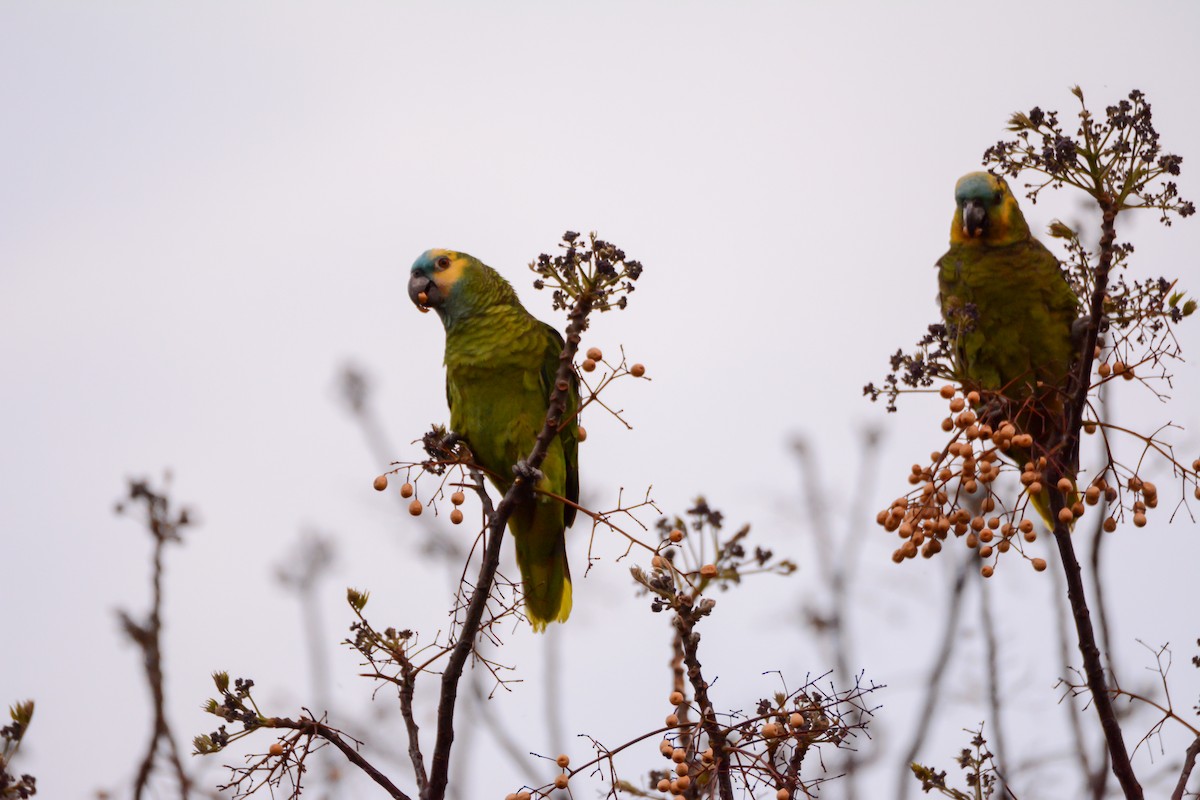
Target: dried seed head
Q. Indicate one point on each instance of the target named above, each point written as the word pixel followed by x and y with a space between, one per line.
pixel 380 483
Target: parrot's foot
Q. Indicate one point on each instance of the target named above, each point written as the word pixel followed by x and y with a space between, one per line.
pixel 1079 331
pixel 525 472
pixel 450 441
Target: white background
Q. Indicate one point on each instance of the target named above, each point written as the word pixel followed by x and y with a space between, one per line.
pixel 207 208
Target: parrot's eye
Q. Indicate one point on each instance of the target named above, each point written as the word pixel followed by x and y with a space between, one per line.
pixel 443 262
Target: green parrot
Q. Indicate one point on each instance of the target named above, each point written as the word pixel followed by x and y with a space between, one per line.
pixel 1010 312
pixel 500 368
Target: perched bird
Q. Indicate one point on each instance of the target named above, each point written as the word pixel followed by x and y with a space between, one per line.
pixel 1009 312
pixel 500 371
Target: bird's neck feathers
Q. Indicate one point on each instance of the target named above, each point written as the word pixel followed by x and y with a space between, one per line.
pixel 1005 225
pixel 478 290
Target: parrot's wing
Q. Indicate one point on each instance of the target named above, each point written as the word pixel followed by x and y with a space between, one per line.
pixel 569 434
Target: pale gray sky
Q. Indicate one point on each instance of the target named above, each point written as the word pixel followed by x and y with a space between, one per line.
pixel 205 208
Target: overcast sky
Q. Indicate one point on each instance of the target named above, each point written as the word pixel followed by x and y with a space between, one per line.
pixel 207 208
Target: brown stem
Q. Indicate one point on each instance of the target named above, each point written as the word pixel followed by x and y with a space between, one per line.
pixel 1189 762
pixel 685 623
pixel 1092 666
pixel 314 728
pixel 519 492
pixel 408 684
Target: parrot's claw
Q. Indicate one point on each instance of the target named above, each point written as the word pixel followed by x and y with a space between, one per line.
pixel 1079 331
pixel 525 472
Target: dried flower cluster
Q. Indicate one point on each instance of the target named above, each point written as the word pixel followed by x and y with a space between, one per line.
pixel 598 268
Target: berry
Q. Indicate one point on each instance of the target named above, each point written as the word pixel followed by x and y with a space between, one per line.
pixel 458 498
pixel 415 508
pixel 456 517
pixel 708 571
pixel 1110 525
pixel 637 370
pixel 679 755
pixel 380 483
pixel 561 781
pixel 671 722
pixel 594 354
pixel 676 536
pixel 1039 564
pixel 987 572
pixel 563 761
pixel 582 434
pixel 588 365
pixel 946 391
pixel 276 749
pixel 676 698
pixel 1065 515
pixel 406 490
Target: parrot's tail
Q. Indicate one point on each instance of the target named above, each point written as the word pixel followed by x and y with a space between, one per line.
pixel 542 556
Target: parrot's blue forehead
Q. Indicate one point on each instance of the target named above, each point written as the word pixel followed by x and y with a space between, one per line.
pixel 977 186
pixel 424 262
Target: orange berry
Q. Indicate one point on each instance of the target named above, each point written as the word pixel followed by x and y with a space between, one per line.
pixel 1035 488
pixel 679 755
pixel 1039 564
pixel 406 490
pixel 666 748
pixel 458 498
pixel 782 794
pixel 582 434
pixel 658 562
pixel 415 508
pixel 973 398
pixel 676 536
pixel 664 785
pixel 594 354
pixel 708 571
pixel 676 698
pixel 380 483
pixel 681 769
pixel 1104 369
pixel 456 517
pixel 1089 427
pixel 1064 485
pixel 987 571
pixel 946 391
pixel 561 780
pixel 1030 535
pixel 1196 465
pixel 563 761
pixel 947 424
pixel 1065 515
pixel 683 782
pixel 422 298
pixel 637 370
pixel 796 719
pixel 957 404
pixel 1110 525
pixel 985 551
pixel 276 749
pixel 1092 495
pixel 672 721
pixel 1139 519
pixel 588 365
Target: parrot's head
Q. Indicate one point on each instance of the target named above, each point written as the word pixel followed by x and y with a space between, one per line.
pixel 455 285
pixel 986 212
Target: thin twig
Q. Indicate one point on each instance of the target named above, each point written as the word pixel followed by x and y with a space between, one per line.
pixel 1189 762
pixel 316 728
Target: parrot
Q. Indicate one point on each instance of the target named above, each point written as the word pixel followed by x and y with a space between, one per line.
pixel 1011 316
pixel 500 364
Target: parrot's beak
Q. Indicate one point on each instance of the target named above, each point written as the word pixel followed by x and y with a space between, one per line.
pixel 423 291
pixel 974 218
